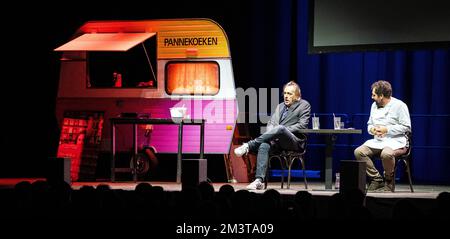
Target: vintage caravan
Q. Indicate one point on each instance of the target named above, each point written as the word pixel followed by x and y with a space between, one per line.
pixel 145 67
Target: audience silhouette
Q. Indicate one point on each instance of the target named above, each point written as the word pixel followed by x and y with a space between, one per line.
pixel 153 206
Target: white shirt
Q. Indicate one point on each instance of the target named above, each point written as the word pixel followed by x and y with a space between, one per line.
pixel 395 116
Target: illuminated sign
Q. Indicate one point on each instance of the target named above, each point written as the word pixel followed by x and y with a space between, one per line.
pixel 205 44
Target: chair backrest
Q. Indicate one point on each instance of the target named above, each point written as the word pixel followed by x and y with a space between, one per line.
pixel 304 139
pixel 408 136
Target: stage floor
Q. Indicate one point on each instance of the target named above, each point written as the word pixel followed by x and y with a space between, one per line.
pixel 315 188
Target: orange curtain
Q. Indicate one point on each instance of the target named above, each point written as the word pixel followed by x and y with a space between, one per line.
pixel 193 78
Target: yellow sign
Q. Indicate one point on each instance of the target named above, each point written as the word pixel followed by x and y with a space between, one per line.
pixel 192 43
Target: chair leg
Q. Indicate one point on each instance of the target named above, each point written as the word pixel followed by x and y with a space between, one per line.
pixel 289 177
pixel 408 171
pixel 267 173
pixel 394 176
pixel 265 183
pixel 282 170
pixel 304 172
pixel 289 161
pixel 269 166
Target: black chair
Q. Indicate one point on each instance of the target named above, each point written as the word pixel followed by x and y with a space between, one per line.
pixel 287 158
pixel 406 159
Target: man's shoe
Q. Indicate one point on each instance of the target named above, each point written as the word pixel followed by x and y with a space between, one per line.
pixel 375 186
pixel 388 187
pixel 256 185
pixel 241 150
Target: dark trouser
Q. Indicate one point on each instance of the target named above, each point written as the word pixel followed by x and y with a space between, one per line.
pixel 387 156
pixel 262 145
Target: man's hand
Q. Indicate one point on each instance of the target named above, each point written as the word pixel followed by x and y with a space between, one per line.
pixel 379 130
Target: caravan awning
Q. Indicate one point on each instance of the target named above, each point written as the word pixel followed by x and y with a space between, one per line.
pixel 105 42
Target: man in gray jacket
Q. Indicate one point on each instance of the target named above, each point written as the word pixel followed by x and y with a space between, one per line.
pixel 282 131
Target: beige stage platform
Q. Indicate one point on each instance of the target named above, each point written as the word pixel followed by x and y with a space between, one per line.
pixel 315 188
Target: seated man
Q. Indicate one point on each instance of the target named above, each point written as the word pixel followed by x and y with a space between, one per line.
pixel 282 131
pixel 388 122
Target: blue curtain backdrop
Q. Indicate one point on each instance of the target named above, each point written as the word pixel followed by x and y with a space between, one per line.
pixel 340 83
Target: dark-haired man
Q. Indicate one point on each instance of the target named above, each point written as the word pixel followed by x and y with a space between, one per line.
pixel 389 121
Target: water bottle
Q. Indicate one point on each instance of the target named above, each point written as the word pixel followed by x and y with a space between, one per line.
pixel 338 178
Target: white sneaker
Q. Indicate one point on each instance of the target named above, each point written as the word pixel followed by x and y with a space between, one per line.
pixel 256 185
pixel 241 150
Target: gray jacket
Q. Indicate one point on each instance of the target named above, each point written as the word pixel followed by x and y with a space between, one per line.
pixel 297 117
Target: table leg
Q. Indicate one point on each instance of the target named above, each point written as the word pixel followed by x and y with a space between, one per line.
pixel 202 139
pixel 113 146
pixel 330 139
pixel 180 149
pixel 135 152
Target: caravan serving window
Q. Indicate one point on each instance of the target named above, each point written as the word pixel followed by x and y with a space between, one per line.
pixel 192 78
pixel 123 69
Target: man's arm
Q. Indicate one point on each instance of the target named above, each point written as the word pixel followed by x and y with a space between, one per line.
pixel 274 118
pixel 404 122
pixel 370 126
pixel 304 111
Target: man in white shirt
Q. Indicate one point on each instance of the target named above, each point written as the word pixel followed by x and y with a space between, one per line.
pixel 389 121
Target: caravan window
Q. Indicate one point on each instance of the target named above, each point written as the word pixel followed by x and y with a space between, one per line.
pixel 134 68
pixel 192 78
